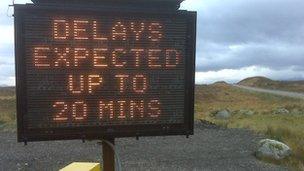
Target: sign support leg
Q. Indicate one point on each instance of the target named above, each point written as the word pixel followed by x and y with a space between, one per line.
pixel 108 155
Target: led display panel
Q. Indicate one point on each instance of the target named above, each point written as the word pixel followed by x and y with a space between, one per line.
pixel 89 74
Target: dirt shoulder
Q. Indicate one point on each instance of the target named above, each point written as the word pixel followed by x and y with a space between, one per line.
pixel 211 148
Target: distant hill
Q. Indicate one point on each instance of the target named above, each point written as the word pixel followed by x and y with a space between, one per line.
pixel 220 83
pixel 263 82
pixel 7 91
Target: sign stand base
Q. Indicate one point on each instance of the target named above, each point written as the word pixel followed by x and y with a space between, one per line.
pixel 108 154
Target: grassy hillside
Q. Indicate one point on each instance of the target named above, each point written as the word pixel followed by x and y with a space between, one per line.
pixel 283 127
pixel 262 82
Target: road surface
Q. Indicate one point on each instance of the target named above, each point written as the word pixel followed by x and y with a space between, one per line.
pixel 275 92
pixel 211 148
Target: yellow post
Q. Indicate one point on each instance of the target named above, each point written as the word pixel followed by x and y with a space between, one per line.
pixel 82 166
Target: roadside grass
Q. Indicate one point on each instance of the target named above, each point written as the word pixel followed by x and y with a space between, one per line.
pixel 7 113
pixel 7 92
pixel 287 128
pixel 215 97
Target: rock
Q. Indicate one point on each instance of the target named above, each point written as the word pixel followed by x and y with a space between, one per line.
pixel 206 124
pixel 246 112
pixel 272 149
pixel 280 111
pixel 223 114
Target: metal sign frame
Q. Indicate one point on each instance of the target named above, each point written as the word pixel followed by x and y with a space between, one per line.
pixel 99 132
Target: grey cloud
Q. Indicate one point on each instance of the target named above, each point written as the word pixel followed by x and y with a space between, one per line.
pixel 268 33
pixel 7 70
pixel 239 21
pixel 6 20
pixel 7 50
pixel 6 63
pixel 6 55
pixel 272 55
pixel 3 63
pixel 6 81
pixel 6 13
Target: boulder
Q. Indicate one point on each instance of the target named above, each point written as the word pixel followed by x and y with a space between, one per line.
pixel 246 112
pixel 223 114
pixel 272 149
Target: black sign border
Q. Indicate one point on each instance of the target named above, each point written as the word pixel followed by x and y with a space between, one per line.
pixel 24 134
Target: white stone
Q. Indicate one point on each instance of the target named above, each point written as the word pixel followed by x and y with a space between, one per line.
pixel 272 149
pixel 223 114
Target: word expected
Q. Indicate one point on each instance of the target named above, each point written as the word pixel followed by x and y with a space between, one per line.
pixel 94 30
pixel 111 109
pixel 46 57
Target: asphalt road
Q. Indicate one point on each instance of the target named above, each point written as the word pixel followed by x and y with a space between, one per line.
pixel 211 148
pixel 275 92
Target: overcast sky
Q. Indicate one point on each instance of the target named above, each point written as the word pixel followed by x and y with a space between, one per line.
pixel 236 39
